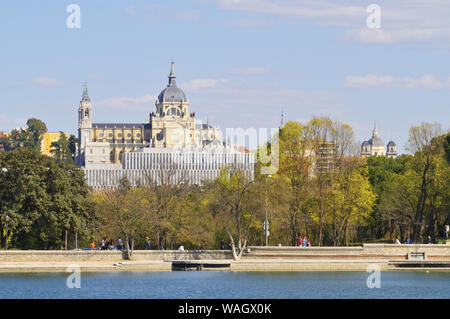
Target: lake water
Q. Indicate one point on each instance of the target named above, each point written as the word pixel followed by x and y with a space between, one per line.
pixel 223 284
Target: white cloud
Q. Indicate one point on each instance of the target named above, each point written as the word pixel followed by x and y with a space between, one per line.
pixel 299 9
pixel 263 104
pixel 389 81
pixel 197 84
pixel 249 70
pixel 45 81
pixel 250 23
pixel 129 103
pixel 392 36
pixel 401 20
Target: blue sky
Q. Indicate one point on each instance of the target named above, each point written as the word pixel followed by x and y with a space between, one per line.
pixel 240 62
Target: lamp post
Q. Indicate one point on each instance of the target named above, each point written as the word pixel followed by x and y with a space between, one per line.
pixel 266 223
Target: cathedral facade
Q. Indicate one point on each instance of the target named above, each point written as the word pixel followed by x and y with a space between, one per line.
pixel 375 147
pixel 169 126
pixel 171 147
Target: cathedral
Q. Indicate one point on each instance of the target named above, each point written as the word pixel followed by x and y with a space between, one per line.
pixel 169 126
pixel 171 143
pixel 375 147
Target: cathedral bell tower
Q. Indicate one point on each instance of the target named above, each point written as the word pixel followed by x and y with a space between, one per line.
pixel 84 125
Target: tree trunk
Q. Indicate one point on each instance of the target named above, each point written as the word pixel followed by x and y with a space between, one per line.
pixel 129 249
pixel 421 203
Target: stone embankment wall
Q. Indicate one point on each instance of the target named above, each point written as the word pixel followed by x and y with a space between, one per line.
pixel 109 256
pixel 314 254
pixel 379 251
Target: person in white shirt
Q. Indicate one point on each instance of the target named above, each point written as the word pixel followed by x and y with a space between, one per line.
pixel 397 241
pixel 181 248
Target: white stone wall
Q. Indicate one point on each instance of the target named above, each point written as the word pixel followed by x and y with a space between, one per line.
pixel 169 166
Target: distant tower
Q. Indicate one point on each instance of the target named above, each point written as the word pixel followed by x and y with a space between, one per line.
pixel 391 149
pixel 84 125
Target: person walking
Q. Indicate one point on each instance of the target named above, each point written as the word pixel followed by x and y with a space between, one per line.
pixel 147 244
pixel 300 241
pixel 447 229
pixel 305 241
pixel 222 244
pixel 92 245
pixel 408 240
pixel 430 240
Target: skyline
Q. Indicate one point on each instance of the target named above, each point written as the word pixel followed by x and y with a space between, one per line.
pixel 240 63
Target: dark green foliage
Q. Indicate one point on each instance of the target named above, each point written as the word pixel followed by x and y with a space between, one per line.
pixel 447 147
pixel 382 170
pixel 43 199
pixel 30 137
pixel 61 149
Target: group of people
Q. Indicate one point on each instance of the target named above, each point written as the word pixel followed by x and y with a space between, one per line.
pixel 408 240
pixel 303 242
pixel 109 244
pixel 222 245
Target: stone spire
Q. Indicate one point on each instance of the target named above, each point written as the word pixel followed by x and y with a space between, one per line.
pixel 85 96
pixel 375 132
pixel 172 76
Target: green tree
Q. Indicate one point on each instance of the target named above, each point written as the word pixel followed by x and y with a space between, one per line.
pixel 73 142
pixel 447 147
pixel 30 137
pixel 234 201
pixel 43 200
pixel 60 149
pixel 123 214
pixel 424 164
pixel 352 200
pixel 382 172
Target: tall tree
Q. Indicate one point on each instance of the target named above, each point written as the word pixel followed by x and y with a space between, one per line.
pixel 447 147
pixel 60 149
pixel 30 137
pixel 73 142
pixel 123 214
pixel 234 201
pixel 43 200
pixel 424 164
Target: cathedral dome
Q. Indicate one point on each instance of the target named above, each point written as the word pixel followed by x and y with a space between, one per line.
pixel 391 143
pixel 172 93
pixel 376 141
